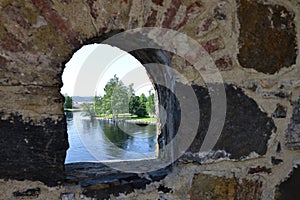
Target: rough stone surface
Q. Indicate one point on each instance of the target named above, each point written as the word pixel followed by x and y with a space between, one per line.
pixel 289 189
pixel 210 187
pixel 38 153
pixel 293 131
pixel 33 192
pixel 253 44
pixel 246 129
pixel 267 37
pixel 224 63
pixel 100 181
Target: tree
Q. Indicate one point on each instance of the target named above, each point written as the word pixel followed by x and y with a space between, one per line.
pixel 119 99
pixel 89 110
pixel 68 102
pixel 150 105
pixel 116 98
pixel 98 101
pixel 143 98
pixel 109 90
pixel 142 111
pixel 134 103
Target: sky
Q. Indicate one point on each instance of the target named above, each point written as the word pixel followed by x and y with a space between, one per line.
pixel 92 66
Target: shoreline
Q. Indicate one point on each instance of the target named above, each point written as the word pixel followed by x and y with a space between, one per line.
pixel 132 121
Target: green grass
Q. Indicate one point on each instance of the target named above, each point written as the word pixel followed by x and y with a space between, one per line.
pixel 146 119
pixel 151 118
pixel 72 109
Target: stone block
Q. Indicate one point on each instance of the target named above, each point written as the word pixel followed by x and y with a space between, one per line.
pixel 289 189
pixel 267 37
pixel 246 128
pixel 207 187
pixel 38 151
pixel 293 131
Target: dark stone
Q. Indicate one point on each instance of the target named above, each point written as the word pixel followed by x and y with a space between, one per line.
pixel 159 174
pixel 36 149
pixel 280 111
pixel 259 169
pixel 164 189
pixel 289 190
pixel 158 2
pixel 110 178
pixel 278 149
pixel 100 181
pixel 282 94
pixel 276 161
pixel 293 131
pixel 247 129
pixel 267 37
pixel 33 192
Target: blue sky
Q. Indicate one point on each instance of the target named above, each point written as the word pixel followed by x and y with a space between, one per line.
pixel 92 66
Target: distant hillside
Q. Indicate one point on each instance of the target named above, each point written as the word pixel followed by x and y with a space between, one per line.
pixel 80 99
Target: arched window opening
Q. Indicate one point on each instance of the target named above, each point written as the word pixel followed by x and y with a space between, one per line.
pixel 109 106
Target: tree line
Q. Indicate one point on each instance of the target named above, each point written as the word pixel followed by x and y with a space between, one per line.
pixel 119 99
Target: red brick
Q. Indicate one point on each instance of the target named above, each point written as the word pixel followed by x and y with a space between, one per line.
pixel 171 13
pixel 224 63
pixel 151 20
pixel 192 9
pixel 57 21
pixel 207 24
pixel 213 45
pixel 15 13
pixel 10 43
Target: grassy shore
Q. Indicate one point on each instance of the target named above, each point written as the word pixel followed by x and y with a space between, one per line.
pixel 151 118
pixel 73 109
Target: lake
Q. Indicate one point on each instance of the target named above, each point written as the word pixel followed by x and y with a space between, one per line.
pixel 103 140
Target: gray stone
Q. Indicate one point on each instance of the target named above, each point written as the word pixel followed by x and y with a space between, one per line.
pixel 280 111
pixel 67 196
pixel 293 131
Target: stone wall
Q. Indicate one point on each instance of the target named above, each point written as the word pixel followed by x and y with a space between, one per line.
pixel 255 47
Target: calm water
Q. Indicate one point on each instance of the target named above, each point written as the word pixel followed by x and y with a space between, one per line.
pixel 100 140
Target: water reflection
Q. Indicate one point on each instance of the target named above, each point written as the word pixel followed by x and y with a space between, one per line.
pixel 99 140
pixel 69 115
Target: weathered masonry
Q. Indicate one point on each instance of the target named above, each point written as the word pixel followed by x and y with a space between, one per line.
pixel 254 44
